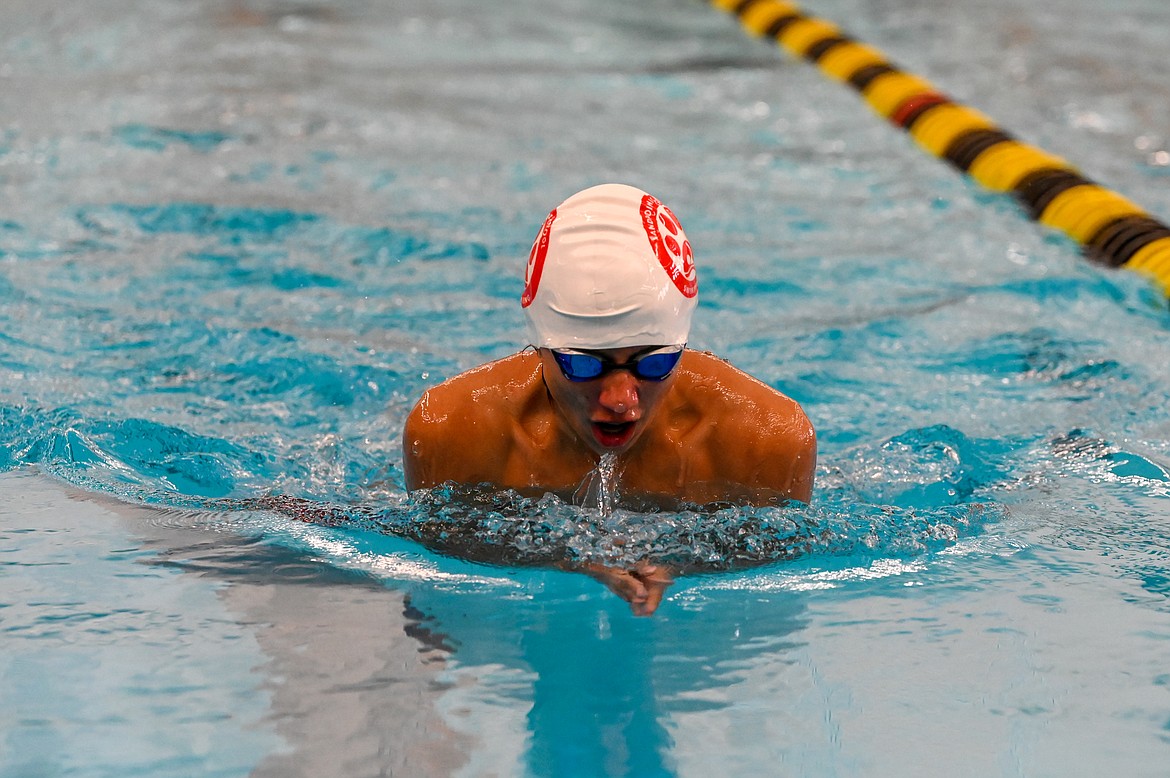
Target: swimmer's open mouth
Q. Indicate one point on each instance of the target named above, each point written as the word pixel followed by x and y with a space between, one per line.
pixel 613 434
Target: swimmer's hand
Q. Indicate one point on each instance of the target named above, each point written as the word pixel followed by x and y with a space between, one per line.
pixel 642 587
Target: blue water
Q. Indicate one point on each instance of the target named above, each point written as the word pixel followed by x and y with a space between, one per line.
pixel 238 241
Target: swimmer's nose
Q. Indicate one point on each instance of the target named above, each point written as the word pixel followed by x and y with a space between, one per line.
pixel 619 395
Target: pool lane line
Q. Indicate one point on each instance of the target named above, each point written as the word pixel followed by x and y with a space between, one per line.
pixel 1112 230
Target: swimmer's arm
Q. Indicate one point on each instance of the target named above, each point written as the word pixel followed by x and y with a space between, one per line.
pixel 767 445
pixel 444 442
pixel 803 464
pixel 454 435
pixel 785 464
pixel 417 437
pixel 642 586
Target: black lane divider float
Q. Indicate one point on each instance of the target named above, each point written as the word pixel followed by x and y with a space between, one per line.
pixel 1111 229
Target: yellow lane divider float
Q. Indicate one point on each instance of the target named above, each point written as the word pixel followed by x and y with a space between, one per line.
pixel 1111 228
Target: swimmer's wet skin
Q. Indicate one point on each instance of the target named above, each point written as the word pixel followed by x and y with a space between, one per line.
pixel 610 288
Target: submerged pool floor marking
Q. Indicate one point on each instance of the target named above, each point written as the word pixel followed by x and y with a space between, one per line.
pixel 1111 229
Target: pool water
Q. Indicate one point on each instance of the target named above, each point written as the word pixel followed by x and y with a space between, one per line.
pixel 238 239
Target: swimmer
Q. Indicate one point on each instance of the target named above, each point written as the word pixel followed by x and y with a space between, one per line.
pixel 609 292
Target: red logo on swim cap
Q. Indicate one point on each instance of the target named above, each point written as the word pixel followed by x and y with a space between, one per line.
pixel 664 232
pixel 536 261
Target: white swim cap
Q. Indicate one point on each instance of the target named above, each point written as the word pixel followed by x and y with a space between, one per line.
pixel 610 268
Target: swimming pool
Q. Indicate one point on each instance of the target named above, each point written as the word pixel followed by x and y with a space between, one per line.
pixel 238 240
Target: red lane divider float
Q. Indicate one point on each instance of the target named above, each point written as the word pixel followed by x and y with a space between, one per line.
pixel 1112 230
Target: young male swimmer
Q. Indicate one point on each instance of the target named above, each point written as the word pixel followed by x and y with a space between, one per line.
pixel 609 292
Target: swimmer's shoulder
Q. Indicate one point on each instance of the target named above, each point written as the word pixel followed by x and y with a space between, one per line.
pixel 715 383
pixel 709 373
pixel 515 371
pixel 461 427
pixel 479 391
pixel 766 440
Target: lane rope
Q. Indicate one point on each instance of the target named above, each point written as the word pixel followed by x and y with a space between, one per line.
pixel 1111 229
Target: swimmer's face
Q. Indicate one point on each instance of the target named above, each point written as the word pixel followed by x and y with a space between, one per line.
pixel 608 413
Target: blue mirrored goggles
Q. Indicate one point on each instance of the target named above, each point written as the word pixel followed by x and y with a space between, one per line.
pixel 585 366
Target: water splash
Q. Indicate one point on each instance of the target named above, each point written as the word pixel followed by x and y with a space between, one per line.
pixel 505 528
pixel 599 489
